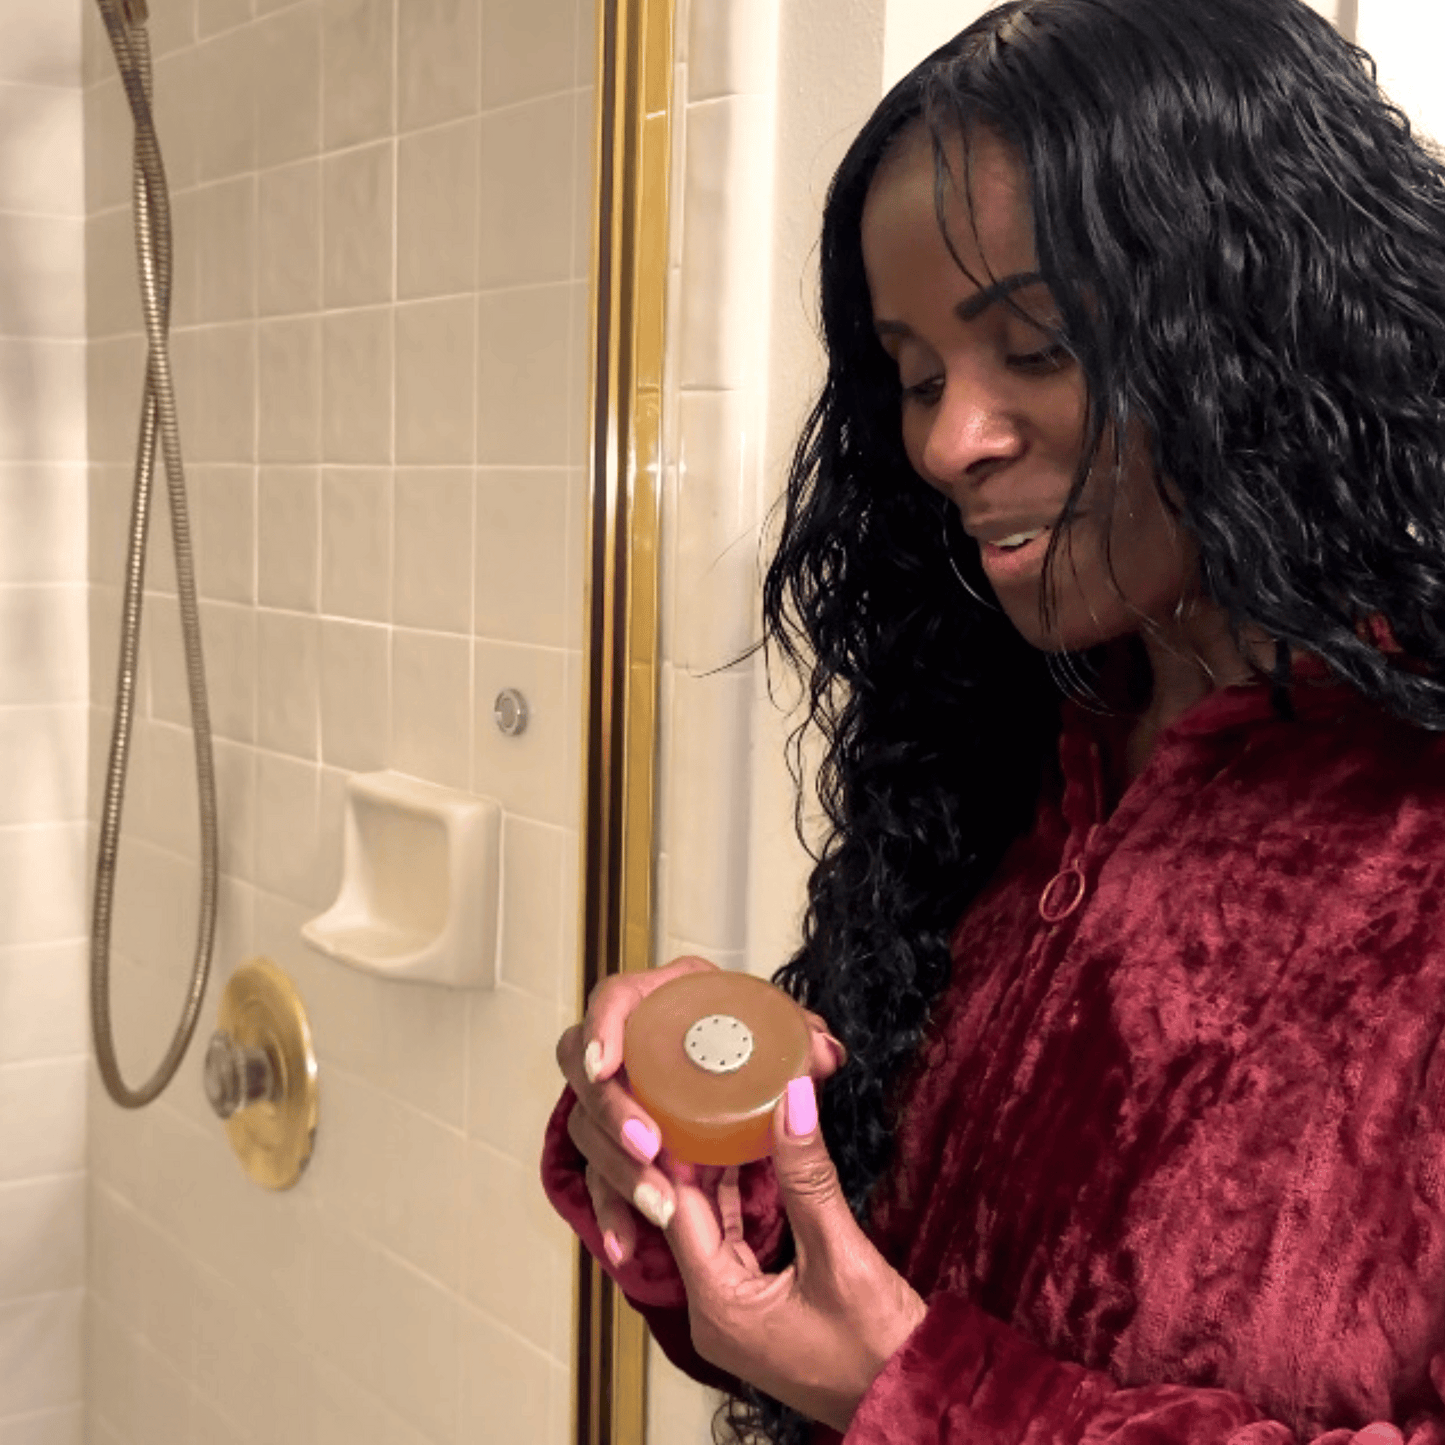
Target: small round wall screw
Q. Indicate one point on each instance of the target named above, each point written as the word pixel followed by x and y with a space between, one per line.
pixel 510 711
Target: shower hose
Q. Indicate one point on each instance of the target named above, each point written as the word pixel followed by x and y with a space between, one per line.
pixel 125 25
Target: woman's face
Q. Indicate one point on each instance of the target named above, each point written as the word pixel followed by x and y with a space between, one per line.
pixel 994 407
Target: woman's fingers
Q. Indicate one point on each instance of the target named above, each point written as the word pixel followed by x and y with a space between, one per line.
pixel 608 1009
pixel 614 1219
pixel 828 1054
pixel 608 1104
pixel 571 1059
pixel 730 1205
pixel 645 1187
pixel 589 1055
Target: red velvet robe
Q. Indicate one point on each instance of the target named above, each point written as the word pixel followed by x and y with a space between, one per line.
pixel 1173 1165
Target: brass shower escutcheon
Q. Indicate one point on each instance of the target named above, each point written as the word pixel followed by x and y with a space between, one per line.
pixel 260 1074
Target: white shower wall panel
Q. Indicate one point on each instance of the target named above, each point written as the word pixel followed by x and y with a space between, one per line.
pixel 43 692
pixel 380 327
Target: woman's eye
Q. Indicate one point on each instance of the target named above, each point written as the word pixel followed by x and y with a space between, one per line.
pixel 1041 363
pixel 926 391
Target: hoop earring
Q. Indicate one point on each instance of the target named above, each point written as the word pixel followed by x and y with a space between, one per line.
pixel 962 580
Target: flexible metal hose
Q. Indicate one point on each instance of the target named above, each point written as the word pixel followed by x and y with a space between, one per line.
pixel 125 25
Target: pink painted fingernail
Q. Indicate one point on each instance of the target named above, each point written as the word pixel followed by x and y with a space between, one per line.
pixel 802 1108
pixel 645 1143
pixel 613 1246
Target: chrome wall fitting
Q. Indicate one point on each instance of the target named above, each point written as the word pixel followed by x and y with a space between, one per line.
pixel 237 1077
pixel 510 712
pixel 260 1074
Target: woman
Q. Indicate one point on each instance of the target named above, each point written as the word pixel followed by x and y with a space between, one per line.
pixel 1135 315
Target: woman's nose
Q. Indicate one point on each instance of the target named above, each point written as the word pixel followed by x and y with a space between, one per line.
pixel 971 433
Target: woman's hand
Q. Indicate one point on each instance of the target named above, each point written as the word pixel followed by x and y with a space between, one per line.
pixel 610 1128
pixel 816 1335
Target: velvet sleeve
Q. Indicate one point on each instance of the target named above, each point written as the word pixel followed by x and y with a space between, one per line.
pixel 650 1279
pixel 965 1378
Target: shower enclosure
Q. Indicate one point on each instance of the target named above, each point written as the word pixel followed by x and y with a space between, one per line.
pixel 382 320
pixel 415 431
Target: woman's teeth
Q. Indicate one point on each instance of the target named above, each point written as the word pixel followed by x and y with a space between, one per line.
pixel 1018 539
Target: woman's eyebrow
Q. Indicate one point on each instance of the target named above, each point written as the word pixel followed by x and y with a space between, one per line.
pixel 980 301
pixel 974 306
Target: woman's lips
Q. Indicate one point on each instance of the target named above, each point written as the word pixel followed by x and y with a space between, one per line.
pixel 1009 564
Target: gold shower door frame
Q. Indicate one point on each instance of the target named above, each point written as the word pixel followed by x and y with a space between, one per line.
pixel 633 160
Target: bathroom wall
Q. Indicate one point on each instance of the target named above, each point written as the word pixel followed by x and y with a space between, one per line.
pixel 915 28
pixel 723 79
pixel 42 724
pixel 381 316
pixel 767 96
pixel 1405 37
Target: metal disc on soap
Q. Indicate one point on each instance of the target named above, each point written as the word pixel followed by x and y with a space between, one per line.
pixel 708 1055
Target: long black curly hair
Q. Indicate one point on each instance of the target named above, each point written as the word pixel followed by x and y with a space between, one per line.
pixel 1247 246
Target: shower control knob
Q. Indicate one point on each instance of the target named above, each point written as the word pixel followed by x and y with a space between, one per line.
pixel 237 1076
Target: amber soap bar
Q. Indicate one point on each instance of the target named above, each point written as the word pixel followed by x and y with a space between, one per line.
pixel 708 1055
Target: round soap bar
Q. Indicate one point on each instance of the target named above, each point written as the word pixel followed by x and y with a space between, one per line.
pixel 708 1056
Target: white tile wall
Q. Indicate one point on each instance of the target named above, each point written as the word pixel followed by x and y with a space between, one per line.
pixel 1401 37
pixel 43 749
pixel 380 348
pixel 716 409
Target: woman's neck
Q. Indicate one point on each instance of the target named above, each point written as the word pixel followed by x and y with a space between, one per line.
pixel 1186 665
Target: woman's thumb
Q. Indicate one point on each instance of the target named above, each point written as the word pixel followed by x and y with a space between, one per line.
pixel 807 1178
